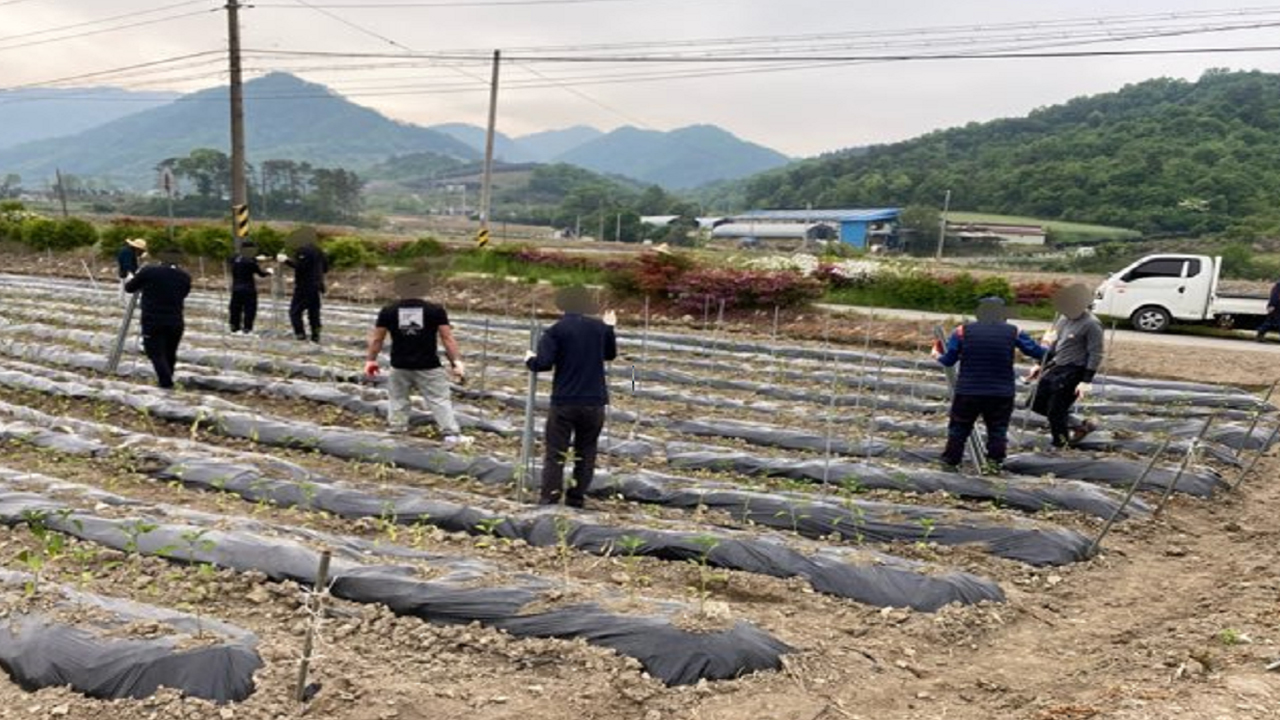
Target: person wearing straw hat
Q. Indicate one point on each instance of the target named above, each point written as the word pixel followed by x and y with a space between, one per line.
pixel 414 324
pixel 127 260
pixel 986 384
pixel 576 347
pixel 164 287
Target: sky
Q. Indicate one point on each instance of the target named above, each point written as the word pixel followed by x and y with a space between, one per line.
pixel 434 69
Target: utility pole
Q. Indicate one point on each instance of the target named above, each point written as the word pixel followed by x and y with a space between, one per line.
pixel 486 184
pixel 942 224
pixel 239 193
pixel 62 191
pixel 617 228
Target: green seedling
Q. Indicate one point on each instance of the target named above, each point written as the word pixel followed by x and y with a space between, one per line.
pixel 631 545
pixel 196 543
pixel 563 528
pixel 50 545
pixel 387 521
pixel 488 527
pixel 706 544
pixel 1231 636
pixel 927 524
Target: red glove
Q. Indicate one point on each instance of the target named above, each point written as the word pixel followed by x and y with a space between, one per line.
pixel 371 368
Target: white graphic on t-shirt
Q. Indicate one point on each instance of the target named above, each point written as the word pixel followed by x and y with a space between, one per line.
pixel 411 320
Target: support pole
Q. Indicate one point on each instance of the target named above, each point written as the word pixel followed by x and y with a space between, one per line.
pixel 484 355
pixel 526 438
pixel 1261 451
pixel 308 643
pixel 239 188
pixel 1182 467
pixel 92 280
pixel 113 360
pixel 62 192
pixel 644 339
pixel 1128 497
pixel 1256 417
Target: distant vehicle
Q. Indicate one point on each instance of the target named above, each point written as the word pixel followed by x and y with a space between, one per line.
pixel 1158 290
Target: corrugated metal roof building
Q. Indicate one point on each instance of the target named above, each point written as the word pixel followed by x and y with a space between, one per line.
pixel 856 225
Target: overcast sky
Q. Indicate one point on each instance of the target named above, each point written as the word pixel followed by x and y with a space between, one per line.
pixel 799 111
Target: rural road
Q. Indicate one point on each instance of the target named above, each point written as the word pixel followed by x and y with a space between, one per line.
pixel 1123 335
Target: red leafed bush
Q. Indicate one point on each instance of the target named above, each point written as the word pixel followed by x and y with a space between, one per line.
pixel 743 289
pixel 1037 292
pixel 648 274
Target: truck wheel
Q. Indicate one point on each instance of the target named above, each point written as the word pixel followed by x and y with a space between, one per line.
pixel 1150 318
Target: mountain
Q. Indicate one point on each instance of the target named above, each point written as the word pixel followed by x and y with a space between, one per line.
pixel 536 147
pixel 285 118
pixel 1164 156
pixel 683 158
pixel 546 146
pixel 36 114
pixel 504 148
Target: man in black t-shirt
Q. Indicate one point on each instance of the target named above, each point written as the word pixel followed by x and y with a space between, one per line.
pixel 413 325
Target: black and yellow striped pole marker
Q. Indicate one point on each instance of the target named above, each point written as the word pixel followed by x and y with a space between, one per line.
pixel 482 238
pixel 241 213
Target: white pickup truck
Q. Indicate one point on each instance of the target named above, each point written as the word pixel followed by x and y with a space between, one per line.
pixel 1160 289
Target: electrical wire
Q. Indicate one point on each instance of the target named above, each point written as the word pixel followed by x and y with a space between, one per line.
pixel 101 31
pixel 100 74
pixel 122 16
pixel 447 4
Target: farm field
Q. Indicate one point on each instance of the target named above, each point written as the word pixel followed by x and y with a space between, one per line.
pixel 767 536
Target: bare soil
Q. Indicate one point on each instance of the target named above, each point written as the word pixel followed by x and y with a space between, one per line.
pixel 1178 618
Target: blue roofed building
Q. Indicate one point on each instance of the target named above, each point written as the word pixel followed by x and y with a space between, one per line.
pixel 858 227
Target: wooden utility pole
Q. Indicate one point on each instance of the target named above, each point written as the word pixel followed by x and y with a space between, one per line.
pixel 942 225
pixel 486 184
pixel 239 191
pixel 62 191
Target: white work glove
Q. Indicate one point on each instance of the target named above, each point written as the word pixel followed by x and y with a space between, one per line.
pixel 281 257
pixel 128 277
pixel 271 271
pixel 610 318
pixel 458 371
pixel 1049 338
pixel 371 368
pixel 1083 389
pixel 529 355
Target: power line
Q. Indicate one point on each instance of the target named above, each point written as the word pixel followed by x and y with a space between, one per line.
pixel 101 73
pixel 102 31
pixel 447 3
pixel 123 16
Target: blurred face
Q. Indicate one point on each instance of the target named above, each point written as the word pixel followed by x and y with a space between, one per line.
pixel 990 312
pixel 1072 300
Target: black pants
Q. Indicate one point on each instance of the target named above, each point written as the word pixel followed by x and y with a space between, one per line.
pixel 243 310
pixel 1055 395
pixel 305 300
pixel 995 412
pixel 581 425
pixel 1271 323
pixel 161 346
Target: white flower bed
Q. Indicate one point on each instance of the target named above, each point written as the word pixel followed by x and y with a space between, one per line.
pixel 853 270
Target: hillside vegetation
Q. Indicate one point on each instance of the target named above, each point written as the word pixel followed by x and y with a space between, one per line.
pixel 1163 156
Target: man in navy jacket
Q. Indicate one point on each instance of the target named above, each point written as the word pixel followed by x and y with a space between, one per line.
pixel 576 347
pixel 985 388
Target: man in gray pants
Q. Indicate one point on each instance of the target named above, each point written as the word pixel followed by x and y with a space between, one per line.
pixel 414 325
pixel 1075 346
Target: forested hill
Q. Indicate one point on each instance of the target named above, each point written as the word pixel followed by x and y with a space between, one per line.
pixel 1161 156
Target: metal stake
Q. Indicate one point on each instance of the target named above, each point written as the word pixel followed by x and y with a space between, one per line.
pixel 113 360
pixel 484 354
pixel 526 438
pixel 1256 416
pixel 1182 467
pixel 1128 496
pixel 92 280
pixel 308 643
pixel 773 347
pixel 644 339
pixel 1261 451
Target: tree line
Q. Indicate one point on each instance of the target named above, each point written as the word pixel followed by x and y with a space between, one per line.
pixel 1164 156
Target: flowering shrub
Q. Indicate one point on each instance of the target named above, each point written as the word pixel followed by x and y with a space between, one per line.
pixel 1036 292
pixel 743 289
pixel 648 274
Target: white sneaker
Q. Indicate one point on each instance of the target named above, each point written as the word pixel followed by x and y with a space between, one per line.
pixel 455 440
